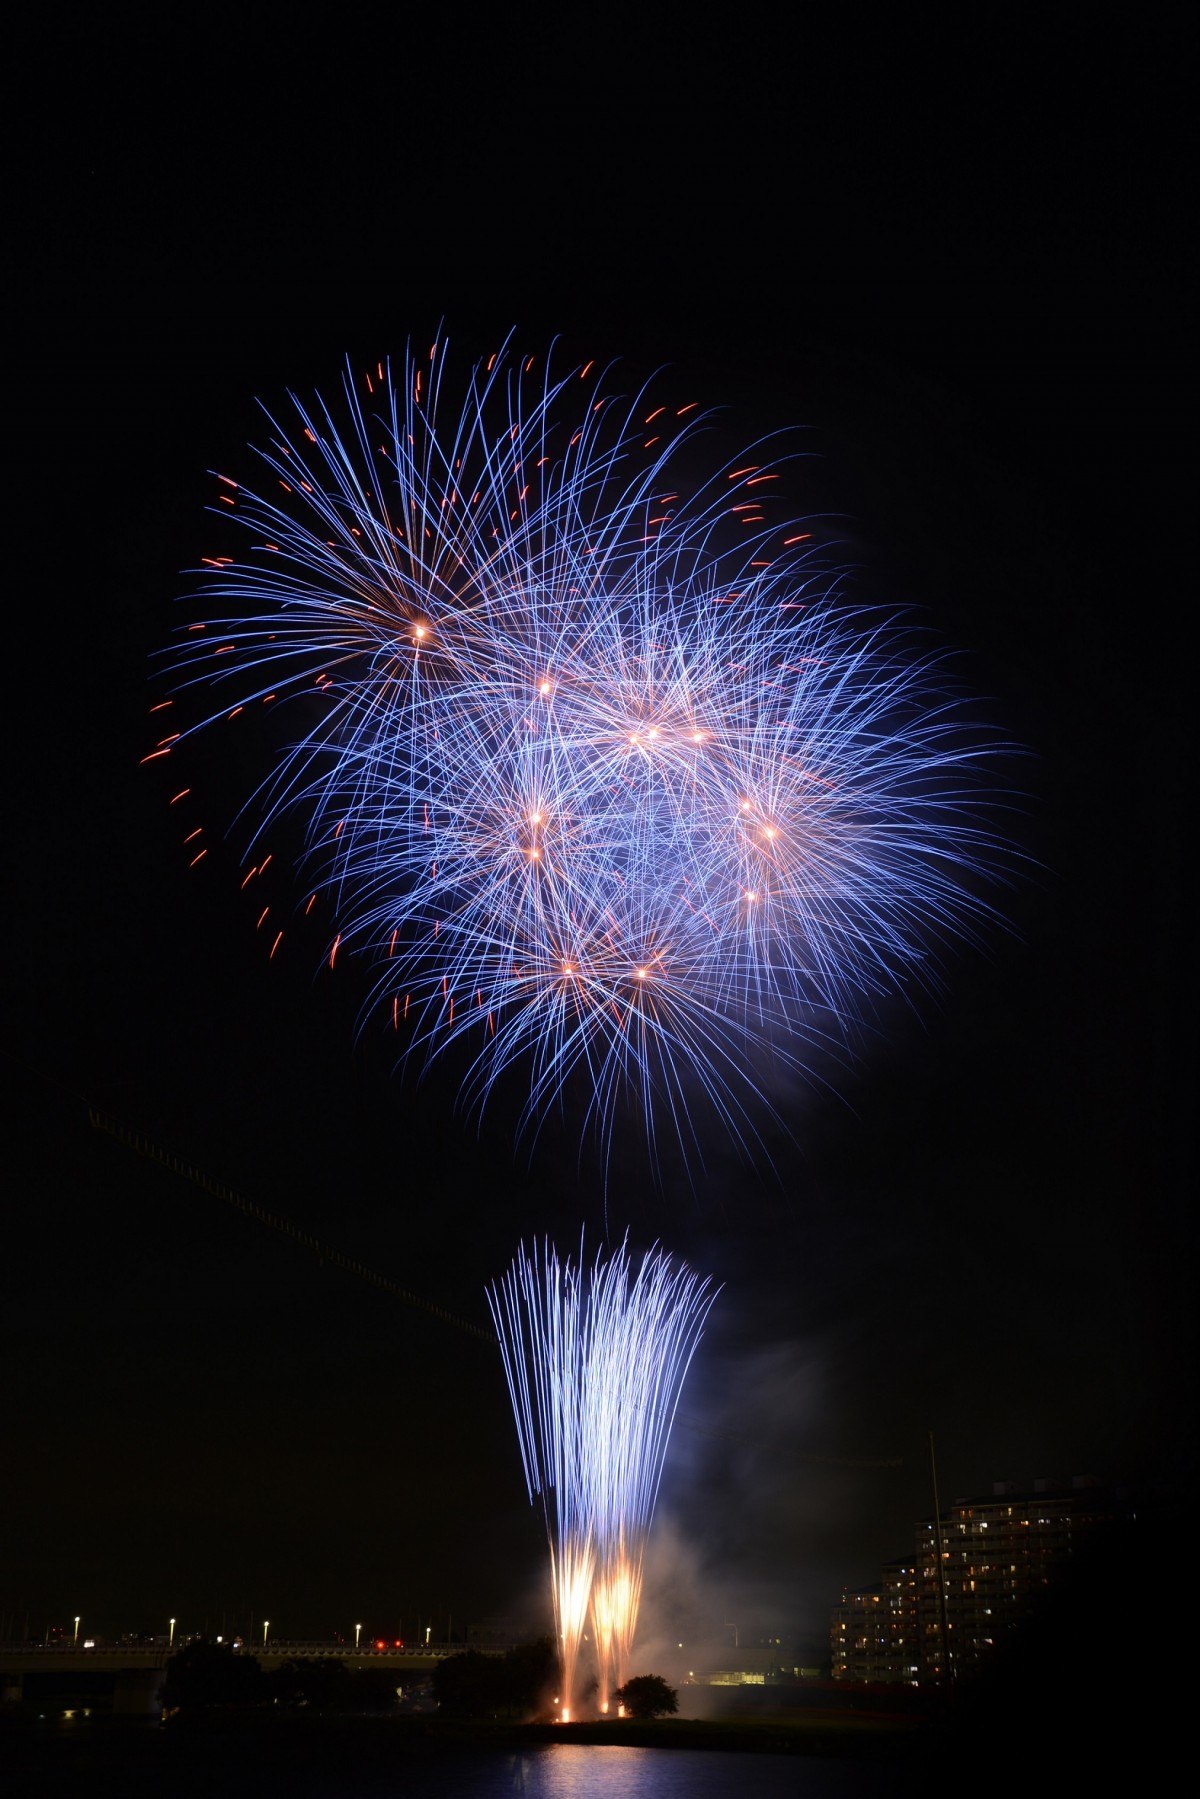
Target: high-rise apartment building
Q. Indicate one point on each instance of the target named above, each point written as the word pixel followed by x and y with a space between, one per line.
pixel 929 1617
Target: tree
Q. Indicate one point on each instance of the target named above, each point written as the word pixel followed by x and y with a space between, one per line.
pixel 518 1684
pixel 470 1685
pixel 531 1676
pixel 323 1681
pixel 205 1674
pixel 648 1696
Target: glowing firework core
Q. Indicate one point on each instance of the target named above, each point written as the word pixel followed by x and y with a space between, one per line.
pixel 595 1360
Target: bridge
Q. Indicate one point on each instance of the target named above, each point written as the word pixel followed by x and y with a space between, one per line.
pixel 127 1677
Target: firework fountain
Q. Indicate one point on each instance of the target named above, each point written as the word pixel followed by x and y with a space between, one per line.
pixel 595 1359
pixel 594 766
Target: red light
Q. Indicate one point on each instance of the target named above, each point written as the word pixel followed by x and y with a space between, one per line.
pixel 379 1643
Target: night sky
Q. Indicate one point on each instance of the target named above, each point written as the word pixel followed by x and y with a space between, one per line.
pixel 959 269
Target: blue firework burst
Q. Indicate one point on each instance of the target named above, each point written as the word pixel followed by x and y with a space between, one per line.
pixel 594 766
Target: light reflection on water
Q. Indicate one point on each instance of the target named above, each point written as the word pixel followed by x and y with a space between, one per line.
pixel 154 1764
pixel 587 1771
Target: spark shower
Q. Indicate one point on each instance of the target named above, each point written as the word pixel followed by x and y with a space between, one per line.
pixel 595 1359
pixel 593 764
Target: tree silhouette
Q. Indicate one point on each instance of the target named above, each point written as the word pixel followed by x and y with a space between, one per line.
pixel 648 1696
pixel 474 1685
pixel 204 1674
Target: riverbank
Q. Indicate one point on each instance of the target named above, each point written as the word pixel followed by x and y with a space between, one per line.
pixel 809 1733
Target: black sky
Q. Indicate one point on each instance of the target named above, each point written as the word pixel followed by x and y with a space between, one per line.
pixel 961 268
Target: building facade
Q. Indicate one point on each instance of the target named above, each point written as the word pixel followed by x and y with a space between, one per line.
pixel 935 1616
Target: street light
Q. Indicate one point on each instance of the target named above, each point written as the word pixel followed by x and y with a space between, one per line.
pixel 76 1630
pixel 266 1628
pixel 357 1634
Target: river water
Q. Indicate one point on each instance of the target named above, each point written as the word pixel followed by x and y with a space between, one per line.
pixel 245 1766
pixel 579 1771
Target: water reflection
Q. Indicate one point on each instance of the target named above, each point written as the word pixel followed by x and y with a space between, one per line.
pixel 590 1771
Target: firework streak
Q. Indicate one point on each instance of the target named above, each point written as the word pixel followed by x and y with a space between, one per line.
pixel 595 1360
pixel 592 763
